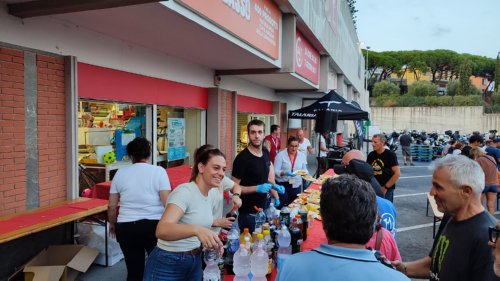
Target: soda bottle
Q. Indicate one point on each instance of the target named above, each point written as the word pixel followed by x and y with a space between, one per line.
pixel 260 219
pixel 232 246
pixel 285 215
pixel 259 262
pixel 245 233
pixel 241 264
pixel 303 216
pixel 211 272
pixel 296 236
pixel 233 214
pixel 284 251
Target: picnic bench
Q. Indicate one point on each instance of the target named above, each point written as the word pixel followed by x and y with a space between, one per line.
pixel 438 215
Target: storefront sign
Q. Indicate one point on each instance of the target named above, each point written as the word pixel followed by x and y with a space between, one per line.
pixel 176 139
pixel 255 21
pixel 306 59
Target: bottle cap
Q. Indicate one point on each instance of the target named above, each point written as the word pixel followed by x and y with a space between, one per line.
pixel 245 229
pixel 260 236
pixel 266 232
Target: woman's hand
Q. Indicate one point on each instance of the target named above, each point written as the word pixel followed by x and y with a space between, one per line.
pixel 224 222
pixel 236 202
pixel 208 238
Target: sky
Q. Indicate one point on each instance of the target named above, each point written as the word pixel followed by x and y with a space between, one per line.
pixel 463 26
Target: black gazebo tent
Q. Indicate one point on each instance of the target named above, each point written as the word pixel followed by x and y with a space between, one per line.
pixel 343 109
pixel 330 102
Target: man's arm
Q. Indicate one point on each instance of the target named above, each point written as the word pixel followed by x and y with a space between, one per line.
pixel 415 269
pixel 271 179
pixel 395 176
pixel 244 189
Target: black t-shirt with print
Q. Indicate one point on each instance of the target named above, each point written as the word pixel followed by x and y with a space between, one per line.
pixel 460 251
pixel 252 170
pixel 382 165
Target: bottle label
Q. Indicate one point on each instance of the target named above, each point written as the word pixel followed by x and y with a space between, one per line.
pixel 233 245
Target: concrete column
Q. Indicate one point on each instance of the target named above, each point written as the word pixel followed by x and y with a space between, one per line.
pixel 71 89
pixel 350 93
pixel 31 129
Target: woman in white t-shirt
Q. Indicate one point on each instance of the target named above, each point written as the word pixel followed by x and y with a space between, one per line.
pixel 226 185
pixel 184 228
pixel 141 190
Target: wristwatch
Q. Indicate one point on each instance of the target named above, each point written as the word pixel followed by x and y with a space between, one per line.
pixel 236 194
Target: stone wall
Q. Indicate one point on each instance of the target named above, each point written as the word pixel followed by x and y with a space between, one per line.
pixel 463 118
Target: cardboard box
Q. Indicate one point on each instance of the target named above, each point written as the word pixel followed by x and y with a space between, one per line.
pixel 60 262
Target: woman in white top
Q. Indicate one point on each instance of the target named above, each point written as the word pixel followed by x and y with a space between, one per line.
pixel 185 226
pixel 142 190
pixel 226 185
pixel 287 162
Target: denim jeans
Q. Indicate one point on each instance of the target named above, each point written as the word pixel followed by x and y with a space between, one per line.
pixel 164 265
pixel 389 195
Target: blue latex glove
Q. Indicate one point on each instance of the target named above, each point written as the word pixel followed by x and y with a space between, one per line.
pixel 276 202
pixel 289 173
pixel 263 188
pixel 279 188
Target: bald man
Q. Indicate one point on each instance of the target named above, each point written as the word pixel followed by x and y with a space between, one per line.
pixel 304 144
pixel 355 163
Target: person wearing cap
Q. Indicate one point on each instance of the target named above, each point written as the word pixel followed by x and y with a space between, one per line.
pixel 492 150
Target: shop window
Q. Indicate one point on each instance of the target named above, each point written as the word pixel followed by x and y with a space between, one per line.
pixel 178 135
pixel 104 130
pixel 241 128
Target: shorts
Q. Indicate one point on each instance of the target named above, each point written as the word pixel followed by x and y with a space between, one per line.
pixel 491 188
pixel 406 151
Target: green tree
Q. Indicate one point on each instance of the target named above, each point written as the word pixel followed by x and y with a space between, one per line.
pixel 497 73
pixel 452 88
pixel 422 89
pixel 385 88
pixel 353 10
pixel 464 83
pixel 439 62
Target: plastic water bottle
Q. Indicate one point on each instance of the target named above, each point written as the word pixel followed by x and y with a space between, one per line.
pixel 233 244
pixel 260 219
pixel 211 272
pixel 284 240
pixel 270 212
pixel 259 262
pixel 241 263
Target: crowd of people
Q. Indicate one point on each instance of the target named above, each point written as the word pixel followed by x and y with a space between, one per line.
pixel 358 216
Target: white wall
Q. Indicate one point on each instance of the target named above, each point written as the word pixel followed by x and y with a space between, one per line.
pixel 465 119
pixel 56 36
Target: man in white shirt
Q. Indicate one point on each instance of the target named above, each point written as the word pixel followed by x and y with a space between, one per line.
pixel 304 144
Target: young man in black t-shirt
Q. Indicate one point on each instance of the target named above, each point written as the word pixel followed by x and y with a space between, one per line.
pixel 460 251
pixel 385 166
pixel 254 172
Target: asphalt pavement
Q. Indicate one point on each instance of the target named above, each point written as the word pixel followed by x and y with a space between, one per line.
pixel 414 234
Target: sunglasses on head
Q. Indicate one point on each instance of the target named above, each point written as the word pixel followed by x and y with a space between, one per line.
pixel 494 233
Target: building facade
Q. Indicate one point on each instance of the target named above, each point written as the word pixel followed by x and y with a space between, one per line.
pixel 78 81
